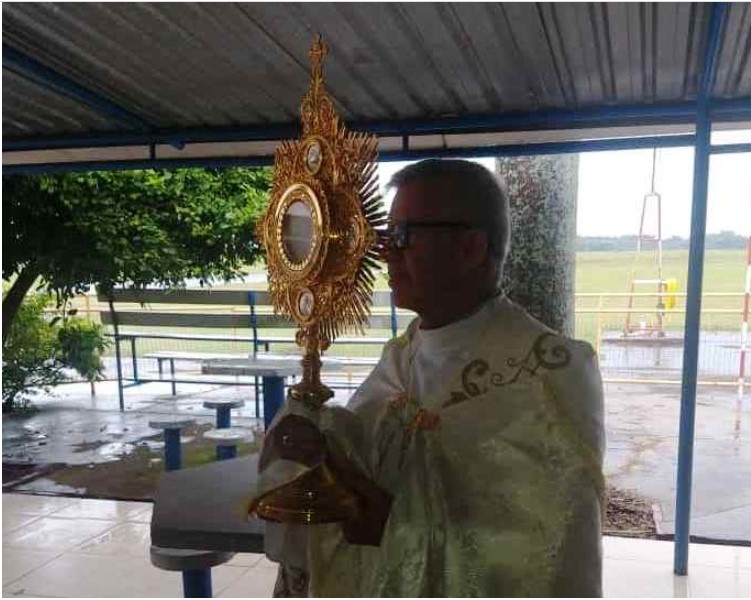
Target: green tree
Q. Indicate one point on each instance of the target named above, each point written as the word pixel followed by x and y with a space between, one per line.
pixel 31 353
pixel 130 228
pixel 39 351
pixel 82 346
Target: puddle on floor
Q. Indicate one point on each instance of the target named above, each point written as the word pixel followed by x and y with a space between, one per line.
pixel 49 486
pixel 132 473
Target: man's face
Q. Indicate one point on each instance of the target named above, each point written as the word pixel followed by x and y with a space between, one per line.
pixel 434 262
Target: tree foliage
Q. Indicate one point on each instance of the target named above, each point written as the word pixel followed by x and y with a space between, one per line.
pixel 39 352
pixel 130 228
pixel 82 346
pixel 31 354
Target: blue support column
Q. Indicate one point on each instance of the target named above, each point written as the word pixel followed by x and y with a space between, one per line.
pixel 693 298
pixel 273 398
pixel 224 421
pixel 119 366
pixel 691 350
pixel 253 319
pixel 254 327
pixel 223 417
pixel 172 373
pixel 197 583
pixel 172 451
pixel 133 358
pixel 225 452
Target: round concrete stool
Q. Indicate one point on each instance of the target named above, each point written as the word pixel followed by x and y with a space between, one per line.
pixel 194 564
pixel 223 408
pixel 226 440
pixel 172 427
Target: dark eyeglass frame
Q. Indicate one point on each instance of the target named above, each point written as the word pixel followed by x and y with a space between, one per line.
pixel 396 236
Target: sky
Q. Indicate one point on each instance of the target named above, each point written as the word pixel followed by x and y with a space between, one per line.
pixel 612 186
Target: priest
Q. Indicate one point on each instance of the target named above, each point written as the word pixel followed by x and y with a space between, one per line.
pixel 476 443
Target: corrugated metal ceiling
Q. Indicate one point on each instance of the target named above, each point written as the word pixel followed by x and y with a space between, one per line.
pixel 193 65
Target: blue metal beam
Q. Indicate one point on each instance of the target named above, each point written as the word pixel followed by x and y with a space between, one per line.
pixel 386 156
pixel 693 296
pixel 736 109
pixel 598 116
pixel 33 70
pixel 175 138
pixel 136 165
pixel 560 119
pixel 675 141
pixel 672 141
pixel 730 148
pixel 723 105
pixel 528 121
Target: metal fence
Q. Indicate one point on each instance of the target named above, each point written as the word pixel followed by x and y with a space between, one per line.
pixel 647 355
pixel 600 319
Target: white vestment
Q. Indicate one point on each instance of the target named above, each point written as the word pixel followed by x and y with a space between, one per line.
pixel 489 435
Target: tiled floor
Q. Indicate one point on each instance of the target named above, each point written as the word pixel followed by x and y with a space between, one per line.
pixel 63 547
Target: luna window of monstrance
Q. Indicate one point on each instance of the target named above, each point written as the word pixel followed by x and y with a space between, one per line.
pixel 321 248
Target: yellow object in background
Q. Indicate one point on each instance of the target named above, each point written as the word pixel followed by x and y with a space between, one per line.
pixel 671 287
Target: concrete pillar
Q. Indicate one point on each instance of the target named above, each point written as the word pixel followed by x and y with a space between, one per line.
pixel 539 272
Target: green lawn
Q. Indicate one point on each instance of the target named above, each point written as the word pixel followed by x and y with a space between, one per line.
pixel 609 272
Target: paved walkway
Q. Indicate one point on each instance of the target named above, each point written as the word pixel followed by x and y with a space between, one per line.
pixel 641 422
pixel 642 449
pixel 67 547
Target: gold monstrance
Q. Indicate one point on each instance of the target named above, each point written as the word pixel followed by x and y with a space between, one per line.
pixel 321 253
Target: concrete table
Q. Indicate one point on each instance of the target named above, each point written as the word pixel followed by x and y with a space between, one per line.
pixel 205 508
pixel 223 406
pixel 272 372
pixel 227 438
pixel 194 565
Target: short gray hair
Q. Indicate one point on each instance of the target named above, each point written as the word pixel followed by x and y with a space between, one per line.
pixel 479 190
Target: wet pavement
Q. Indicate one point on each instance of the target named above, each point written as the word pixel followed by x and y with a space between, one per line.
pixel 75 428
pixel 641 422
pixel 642 440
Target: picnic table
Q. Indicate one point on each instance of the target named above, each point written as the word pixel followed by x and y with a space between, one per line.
pixel 206 508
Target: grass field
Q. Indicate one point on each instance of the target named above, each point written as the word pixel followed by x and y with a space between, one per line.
pixel 611 272
pixel 724 270
pixel 607 275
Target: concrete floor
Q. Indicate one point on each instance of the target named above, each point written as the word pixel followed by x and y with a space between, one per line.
pixel 641 422
pixel 642 441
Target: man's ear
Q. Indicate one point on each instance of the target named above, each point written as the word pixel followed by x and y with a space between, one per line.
pixel 475 248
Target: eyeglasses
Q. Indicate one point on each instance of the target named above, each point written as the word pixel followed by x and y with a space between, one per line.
pixel 397 235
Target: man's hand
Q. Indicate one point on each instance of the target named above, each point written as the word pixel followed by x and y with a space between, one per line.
pixel 294 438
pixel 375 503
pixel 367 529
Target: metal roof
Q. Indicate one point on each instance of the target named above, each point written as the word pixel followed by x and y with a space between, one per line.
pixel 116 74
